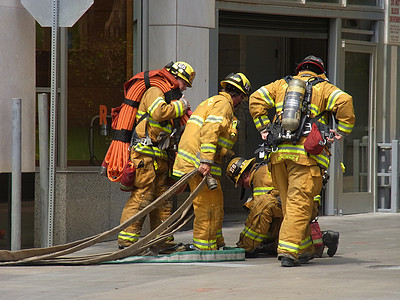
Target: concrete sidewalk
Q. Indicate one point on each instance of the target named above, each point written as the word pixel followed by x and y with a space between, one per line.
pixel 366 266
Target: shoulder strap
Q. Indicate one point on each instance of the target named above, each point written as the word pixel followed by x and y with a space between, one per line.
pixel 134 134
pixel 147 79
pixel 260 164
pixel 316 80
pixel 288 78
pixel 173 94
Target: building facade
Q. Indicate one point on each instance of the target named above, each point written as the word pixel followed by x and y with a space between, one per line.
pixel 263 39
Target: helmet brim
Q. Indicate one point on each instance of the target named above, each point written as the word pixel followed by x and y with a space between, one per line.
pixel 243 167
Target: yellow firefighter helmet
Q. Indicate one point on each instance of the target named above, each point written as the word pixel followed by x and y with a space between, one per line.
pixel 236 167
pixel 183 70
pixel 238 80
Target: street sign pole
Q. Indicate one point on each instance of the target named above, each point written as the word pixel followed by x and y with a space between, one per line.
pixel 63 13
pixel 53 120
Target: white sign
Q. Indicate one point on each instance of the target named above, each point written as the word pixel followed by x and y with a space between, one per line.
pixel 69 11
pixel 392 22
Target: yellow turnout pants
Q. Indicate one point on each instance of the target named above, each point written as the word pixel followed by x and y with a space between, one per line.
pixel 150 183
pixel 208 216
pixel 297 185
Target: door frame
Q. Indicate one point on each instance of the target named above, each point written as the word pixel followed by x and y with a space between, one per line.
pixel 360 202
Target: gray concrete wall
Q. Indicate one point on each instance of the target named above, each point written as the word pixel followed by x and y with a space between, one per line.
pixel 85 204
pixel 17 65
pixel 179 30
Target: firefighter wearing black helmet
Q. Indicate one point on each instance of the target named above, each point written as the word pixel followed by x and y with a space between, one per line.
pixel 296 173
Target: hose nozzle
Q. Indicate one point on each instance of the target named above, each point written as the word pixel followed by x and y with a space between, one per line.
pixel 211 182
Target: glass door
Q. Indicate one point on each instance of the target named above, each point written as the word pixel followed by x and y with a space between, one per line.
pixel 357 151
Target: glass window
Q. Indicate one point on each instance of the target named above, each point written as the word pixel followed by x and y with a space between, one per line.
pixel 325 1
pixel 356 155
pixel 359 30
pixel 358 24
pixel 363 2
pixel 99 62
pixel 97 70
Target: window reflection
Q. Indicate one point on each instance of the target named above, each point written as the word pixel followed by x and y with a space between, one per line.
pixel 356 145
pixel 98 57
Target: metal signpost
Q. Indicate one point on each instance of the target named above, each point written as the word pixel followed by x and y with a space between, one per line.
pixel 54 14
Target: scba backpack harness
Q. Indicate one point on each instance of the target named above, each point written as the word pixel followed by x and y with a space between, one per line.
pixel 294 121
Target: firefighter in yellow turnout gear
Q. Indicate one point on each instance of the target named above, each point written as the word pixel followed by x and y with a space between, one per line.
pixel 148 154
pixel 295 173
pixel 209 135
pixel 261 230
pixel 265 213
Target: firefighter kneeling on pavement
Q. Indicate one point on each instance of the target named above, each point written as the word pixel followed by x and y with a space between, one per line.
pixel 260 234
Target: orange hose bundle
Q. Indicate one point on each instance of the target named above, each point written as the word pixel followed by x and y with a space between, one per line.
pixel 124 118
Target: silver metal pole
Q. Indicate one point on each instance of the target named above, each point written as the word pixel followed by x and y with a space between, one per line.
pixel 44 167
pixel 53 119
pixel 394 207
pixel 16 176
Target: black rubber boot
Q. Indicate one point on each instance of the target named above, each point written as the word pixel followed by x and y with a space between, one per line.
pixel 251 254
pixel 331 241
pixel 288 262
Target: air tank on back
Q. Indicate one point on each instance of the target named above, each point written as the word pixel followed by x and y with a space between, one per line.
pixel 292 104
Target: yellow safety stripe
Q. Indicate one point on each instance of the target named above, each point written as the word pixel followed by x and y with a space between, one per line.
pixel 293 247
pixel 155 104
pixel 139 114
pixel 214 119
pixel 261 122
pixel 150 150
pixel 317 241
pixel 205 244
pixel 345 127
pixel 209 148
pixel 251 234
pixel 195 161
pixel 179 108
pixel 279 106
pixel 287 151
pixel 266 96
pixel 318 199
pixel 187 156
pixel 286 246
pixel 177 173
pixel 219 233
pixel 127 236
pixel 262 190
pixel 332 99
pixel 153 123
pixel 215 170
pixel 314 109
pixel 225 143
pixel 306 243
pixel 196 120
